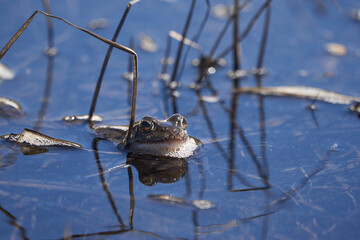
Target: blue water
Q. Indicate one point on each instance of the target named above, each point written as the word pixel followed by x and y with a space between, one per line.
pixel 293 178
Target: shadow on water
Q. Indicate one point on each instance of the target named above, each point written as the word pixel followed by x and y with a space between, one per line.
pixel 265 170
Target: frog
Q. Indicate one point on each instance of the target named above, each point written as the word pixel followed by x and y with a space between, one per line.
pixel 150 136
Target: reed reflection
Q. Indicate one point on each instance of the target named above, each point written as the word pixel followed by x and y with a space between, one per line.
pixel 12 220
pixel 50 51
pixel 153 169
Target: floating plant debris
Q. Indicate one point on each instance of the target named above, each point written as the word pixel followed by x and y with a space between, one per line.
pixel 38 139
pixel 164 77
pixel 6 73
pixel 10 108
pixel 222 11
pixel 301 92
pixel 258 71
pixel 168 61
pixel 128 76
pixel 177 36
pixel 355 108
pixel 334 147
pixel 243 73
pixel 312 107
pixel 98 23
pixel 200 204
pixel 237 74
pixel 336 49
pixel 355 14
pixel 167 198
pixel 303 73
pixel 203 204
pixel 147 43
pixel 51 51
pixel 210 99
pixel 220 62
pixel 78 119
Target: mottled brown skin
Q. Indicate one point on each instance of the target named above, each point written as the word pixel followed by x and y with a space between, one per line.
pixel 151 130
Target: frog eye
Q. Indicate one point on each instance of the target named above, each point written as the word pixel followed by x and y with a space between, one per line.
pixel 184 123
pixel 146 125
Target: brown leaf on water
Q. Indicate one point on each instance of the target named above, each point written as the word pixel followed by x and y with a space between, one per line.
pixel 10 108
pixel 34 138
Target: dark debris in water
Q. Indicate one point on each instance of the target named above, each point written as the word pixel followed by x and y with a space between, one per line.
pixel 34 138
pixel 355 108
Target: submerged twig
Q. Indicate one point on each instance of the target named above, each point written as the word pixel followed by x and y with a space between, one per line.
pixel 104 183
pixel 301 92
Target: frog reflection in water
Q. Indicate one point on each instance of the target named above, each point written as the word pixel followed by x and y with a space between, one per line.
pixel 153 170
pixel 150 136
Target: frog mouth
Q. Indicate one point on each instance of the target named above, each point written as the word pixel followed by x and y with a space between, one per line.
pixel 174 148
pixel 168 138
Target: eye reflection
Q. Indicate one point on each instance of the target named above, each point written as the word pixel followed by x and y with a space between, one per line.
pixel 146 125
pixel 184 123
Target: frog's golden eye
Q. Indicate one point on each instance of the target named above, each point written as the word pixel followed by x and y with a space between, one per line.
pixel 146 125
pixel 184 123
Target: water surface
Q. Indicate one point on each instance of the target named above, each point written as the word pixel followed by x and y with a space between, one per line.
pixel 269 169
